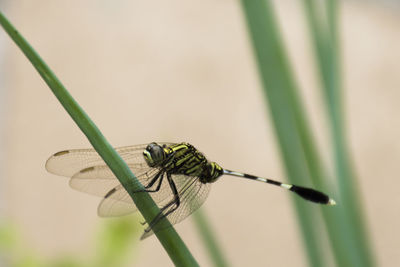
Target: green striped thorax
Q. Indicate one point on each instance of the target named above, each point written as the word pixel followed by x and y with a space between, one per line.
pixel 184 159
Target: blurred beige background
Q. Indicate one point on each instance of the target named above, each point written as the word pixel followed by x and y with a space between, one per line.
pixel 183 71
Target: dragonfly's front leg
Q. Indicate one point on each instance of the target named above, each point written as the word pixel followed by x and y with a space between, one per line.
pixel 159 176
pixel 173 204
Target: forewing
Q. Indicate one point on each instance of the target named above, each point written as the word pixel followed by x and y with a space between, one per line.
pixel 90 174
pixel 69 162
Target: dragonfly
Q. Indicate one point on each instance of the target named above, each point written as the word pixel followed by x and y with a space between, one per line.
pixel 177 175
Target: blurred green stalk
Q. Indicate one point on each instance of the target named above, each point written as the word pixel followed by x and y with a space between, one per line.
pixel 291 126
pixel 324 33
pixel 170 240
pixel 209 239
pixel 344 223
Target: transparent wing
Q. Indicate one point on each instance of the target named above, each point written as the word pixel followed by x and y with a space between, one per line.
pixel 192 195
pixel 118 202
pixel 90 174
pixel 99 180
pixel 118 205
pixel 69 162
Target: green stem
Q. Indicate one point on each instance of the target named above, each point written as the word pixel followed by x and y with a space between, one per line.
pixel 209 240
pixel 286 111
pixel 170 240
pixel 353 248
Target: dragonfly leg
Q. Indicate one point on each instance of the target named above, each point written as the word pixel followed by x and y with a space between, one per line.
pixel 176 200
pixel 155 178
pixel 159 184
pixel 159 216
pixel 159 176
pixel 173 204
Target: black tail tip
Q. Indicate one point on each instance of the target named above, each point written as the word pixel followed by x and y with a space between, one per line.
pixel 313 195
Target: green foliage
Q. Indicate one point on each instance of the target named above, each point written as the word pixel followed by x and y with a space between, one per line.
pixel 346 231
pixel 114 244
pixel 13 250
pixel 209 239
pixel 353 247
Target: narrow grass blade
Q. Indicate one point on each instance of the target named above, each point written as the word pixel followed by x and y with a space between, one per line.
pixel 170 240
pixel 290 125
pixel 354 248
pixel 209 240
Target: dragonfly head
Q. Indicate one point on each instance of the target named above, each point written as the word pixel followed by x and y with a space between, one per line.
pixel 154 154
pixel 214 171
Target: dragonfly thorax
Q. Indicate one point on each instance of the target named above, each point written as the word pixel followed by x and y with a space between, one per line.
pixel 184 159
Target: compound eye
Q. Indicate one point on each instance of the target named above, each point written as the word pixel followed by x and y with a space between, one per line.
pixel 157 152
pixel 150 147
pixel 154 154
